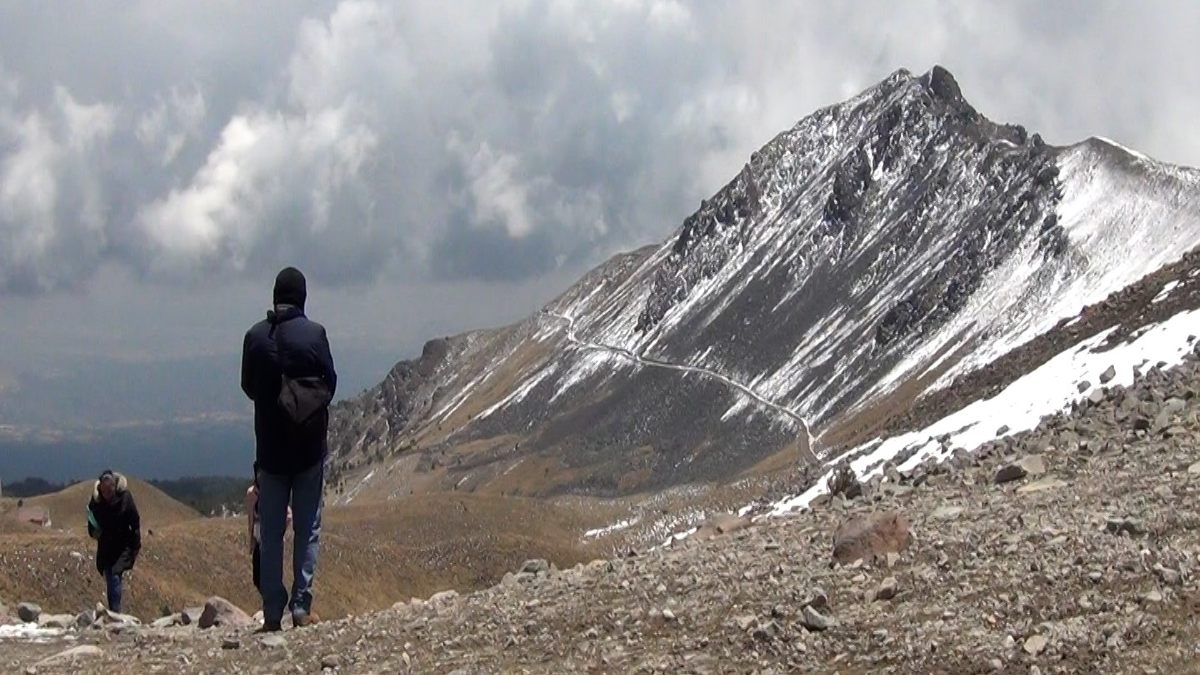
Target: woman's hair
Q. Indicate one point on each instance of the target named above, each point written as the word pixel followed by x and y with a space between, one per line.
pixel 107 474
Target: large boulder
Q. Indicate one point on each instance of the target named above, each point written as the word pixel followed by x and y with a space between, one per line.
pixel 875 534
pixel 220 612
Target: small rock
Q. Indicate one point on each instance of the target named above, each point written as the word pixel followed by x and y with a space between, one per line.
pixel 668 615
pixel 1002 430
pixel 746 622
pixel 1035 644
pixel 220 612
pixel 1153 597
pixel 231 643
pixel 815 621
pixel 85 619
pixel 1167 575
pixel 331 662
pixel 1131 526
pixel 73 654
pixel 946 512
pixel 1096 397
pixel 1084 386
pixel 107 619
pixel 59 621
pixel 1031 465
pixel 721 524
pixel 191 615
pixel 865 537
pixel 443 597
pixel 536 566
pixel 1194 469
pixel 167 621
pixel 819 599
pixel 1108 375
pixel 1042 484
pixel 28 612
pixel 886 590
pixel 273 641
pixel 765 632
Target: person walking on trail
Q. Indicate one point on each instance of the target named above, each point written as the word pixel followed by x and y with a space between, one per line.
pixel 288 372
pixel 113 521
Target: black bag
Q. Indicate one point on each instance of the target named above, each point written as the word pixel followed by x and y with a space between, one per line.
pixel 303 397
pixel 300 397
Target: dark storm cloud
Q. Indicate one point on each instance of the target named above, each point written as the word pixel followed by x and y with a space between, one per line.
pixel 363 140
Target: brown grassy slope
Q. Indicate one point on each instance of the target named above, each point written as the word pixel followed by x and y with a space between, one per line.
pixel 371 557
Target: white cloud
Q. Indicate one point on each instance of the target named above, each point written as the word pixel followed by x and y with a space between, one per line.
pixel 250 132
pixel 358 50
pixel 52 207
pixel 262 162
pixel 173 121
pixel 498 196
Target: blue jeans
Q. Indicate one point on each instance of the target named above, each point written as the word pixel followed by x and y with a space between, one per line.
pixel 112 585
pixel 304 490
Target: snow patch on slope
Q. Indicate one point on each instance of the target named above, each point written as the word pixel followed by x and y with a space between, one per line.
pixel 1050 388
pixel 517 395
pixel 1124 219
pixel 28 632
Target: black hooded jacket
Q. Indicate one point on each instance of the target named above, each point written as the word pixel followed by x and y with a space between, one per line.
pixel 286 342
pixel 117 529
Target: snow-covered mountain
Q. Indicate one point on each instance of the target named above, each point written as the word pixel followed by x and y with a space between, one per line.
pixel 876 251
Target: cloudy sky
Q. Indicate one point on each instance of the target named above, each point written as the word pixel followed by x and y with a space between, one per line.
pixel 435 166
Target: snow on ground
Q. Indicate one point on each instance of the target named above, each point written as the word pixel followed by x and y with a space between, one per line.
pixel 29 632
pixel 607 529
pixel 1049 389
pixel 1165 292
pixel 517 395
pixel 1107 210
pixel 358 487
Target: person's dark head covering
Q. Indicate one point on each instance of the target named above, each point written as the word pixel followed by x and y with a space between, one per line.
pixel 107 474
pixel 290 288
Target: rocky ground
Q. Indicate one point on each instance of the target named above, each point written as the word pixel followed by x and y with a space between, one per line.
pixel 1074 546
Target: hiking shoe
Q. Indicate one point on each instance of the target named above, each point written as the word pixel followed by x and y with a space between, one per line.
pixel 270 627
pixel 302 619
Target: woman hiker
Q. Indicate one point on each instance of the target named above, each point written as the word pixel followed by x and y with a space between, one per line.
pixel 114 523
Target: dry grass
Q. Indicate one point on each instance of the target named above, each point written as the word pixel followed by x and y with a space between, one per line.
pixel 156 508
pixel 372 556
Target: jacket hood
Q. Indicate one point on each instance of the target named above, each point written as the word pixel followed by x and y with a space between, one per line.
pixel 122 486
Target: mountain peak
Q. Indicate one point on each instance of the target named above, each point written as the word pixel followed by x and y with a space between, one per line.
pixel 941 84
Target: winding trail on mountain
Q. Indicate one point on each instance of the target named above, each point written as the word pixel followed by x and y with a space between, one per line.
pixel 809 441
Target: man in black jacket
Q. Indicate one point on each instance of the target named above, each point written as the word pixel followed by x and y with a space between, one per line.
pixel 114 522
pixel 287 370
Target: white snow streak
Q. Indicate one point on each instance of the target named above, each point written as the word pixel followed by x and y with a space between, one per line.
pixel 1046 390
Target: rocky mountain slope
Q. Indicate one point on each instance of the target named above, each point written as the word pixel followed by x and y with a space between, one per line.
pixel 1072 546
pixel 876 251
